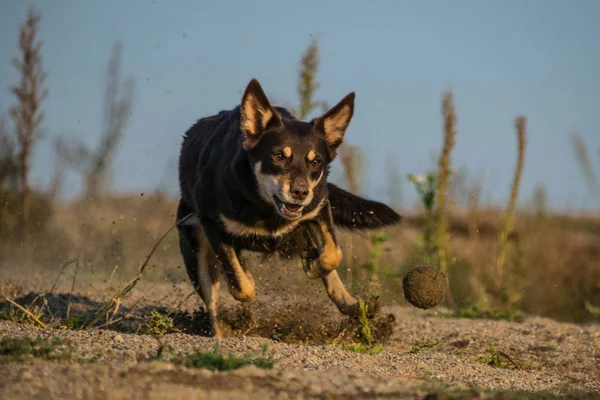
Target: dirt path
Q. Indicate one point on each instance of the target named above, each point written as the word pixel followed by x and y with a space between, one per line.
pixel 423 353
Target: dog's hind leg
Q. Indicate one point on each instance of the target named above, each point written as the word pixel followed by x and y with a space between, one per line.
pixel 201 265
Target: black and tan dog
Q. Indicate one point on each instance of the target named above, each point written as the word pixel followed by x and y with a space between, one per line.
pixel 255 178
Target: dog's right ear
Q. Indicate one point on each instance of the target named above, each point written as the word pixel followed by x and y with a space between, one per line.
pixel 256 114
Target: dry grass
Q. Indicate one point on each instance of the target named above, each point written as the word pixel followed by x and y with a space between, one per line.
pixel 514 192
pixel 449 114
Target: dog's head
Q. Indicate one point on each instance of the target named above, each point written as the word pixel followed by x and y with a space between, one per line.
pixel 290 158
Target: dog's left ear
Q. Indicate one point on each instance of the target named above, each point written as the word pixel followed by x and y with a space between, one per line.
pixel 256 114
pixel 335 122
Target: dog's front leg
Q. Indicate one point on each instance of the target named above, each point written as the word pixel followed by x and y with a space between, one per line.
pixel 330 255
pixel 347 304
pixel 239 282
pixel 320 256
pixel 337 292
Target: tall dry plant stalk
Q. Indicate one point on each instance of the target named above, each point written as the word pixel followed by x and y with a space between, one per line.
pixel 117 108
pixel 449 114
pixel 307 81
pixel 95 163
pixel 8 162
pixel 30 93
pixel 585 164
pixel 8 175
pixel 520 126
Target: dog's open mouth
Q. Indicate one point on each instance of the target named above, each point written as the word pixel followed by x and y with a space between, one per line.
pixel 288 210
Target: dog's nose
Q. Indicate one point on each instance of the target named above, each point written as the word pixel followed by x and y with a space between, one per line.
pixel 300 191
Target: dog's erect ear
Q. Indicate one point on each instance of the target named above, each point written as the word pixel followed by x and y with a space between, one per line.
pixel 335 122
pixel 256 114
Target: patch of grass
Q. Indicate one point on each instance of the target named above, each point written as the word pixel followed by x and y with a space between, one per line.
pixel 497 358
pixel 476 312
pixel 159 324
pixel 76 322
pixel 366 342
pixel 21 349
pixel 366 337
pixel 92 359
pixel 214 360
pixel 33 314
pixel 10 315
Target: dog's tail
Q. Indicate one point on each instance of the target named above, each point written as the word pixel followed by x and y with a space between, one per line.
pixel 356 213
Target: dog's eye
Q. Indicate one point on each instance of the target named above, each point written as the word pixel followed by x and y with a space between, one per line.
pixel 278 156
pixel 316 162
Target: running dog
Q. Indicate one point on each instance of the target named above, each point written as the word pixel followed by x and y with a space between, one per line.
pixel 254 178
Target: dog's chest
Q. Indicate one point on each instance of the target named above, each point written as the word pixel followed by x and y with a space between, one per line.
pixel 257 230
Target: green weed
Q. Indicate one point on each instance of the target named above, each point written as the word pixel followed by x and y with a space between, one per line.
pixel 159 324
pixel 497 358
pixel 476 312
pixel 215 361
pixel 21 349
pixel 366 344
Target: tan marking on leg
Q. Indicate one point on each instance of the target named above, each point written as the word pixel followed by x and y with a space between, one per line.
pixel 339 295
pixel 243 289
pixel 287 151
pixel 331 257
pixel 208 275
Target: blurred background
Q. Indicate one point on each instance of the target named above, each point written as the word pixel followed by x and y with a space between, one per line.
pixel 477 121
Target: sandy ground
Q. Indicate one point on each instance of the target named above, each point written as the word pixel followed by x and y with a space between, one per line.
pixel 423 354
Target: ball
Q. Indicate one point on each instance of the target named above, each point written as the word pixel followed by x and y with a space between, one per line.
pixel 424 286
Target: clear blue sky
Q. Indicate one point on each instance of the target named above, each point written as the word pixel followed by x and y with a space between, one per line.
pixel 540 58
